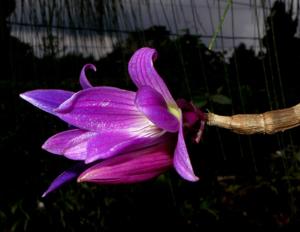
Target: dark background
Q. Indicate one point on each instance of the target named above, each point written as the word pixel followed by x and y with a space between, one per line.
pixel 247 182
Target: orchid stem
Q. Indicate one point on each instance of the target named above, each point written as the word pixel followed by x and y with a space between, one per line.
pixel 269 122
pixel 213 40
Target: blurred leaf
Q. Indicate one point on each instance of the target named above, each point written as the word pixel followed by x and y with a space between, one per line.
pixel 2 217
pixel 220 89
pixel 14 208
pixel 220 99
pixel 233 188
pixel 212 212
pixel 205 204
pixel 199 101
pixel 297 156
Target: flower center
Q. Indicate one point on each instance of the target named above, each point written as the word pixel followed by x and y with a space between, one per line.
pixel 174 110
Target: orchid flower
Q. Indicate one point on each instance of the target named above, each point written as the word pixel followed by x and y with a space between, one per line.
pixel 121 127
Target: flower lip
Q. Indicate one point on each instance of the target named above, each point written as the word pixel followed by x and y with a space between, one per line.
pixel 152 104
pixel 174 110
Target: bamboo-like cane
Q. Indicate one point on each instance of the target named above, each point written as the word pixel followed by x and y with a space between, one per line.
pixel 266 123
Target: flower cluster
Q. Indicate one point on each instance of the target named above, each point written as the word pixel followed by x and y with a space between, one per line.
pixel 119 136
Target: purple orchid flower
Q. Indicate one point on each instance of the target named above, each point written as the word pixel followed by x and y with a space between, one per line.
pixel 123 127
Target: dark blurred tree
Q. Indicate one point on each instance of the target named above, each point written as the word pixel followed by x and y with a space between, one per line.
pixel 247 81
pixel 16 57
pixel 267 80
pixel 281 28
pixel 6 8
pixel 185 63
pixel 282 58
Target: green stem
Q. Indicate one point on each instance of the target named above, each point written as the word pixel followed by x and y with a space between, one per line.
pixel 213 40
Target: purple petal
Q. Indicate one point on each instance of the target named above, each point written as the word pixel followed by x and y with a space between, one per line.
pixel 142 72
pixel 46 99
pixel 153 105
pixel 72 143
pixel 65 177
pixel 84 82
pixel 132 167
pixel 103 109
pixel 182 161
pixel 112 143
